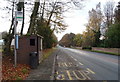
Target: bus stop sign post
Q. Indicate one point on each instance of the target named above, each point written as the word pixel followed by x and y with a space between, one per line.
pixel 15 54
pixel 18 17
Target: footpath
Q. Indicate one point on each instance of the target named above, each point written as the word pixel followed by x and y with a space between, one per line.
pixel 45 70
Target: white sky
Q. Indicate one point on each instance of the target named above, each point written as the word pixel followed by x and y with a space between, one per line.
pixel 78 18
pixel 75 19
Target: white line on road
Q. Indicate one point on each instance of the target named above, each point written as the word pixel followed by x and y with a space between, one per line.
pixel 77 60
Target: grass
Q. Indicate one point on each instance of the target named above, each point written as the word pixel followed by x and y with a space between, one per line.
pixel 47 53
pixel 1 50
pixel 106 52
pixel 110 53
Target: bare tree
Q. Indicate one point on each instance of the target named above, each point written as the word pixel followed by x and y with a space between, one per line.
pixel 51 11
pixel 8 39
pixel 33 17
pixel 109 13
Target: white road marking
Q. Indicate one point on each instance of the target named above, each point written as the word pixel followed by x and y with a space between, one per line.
pixel 77 60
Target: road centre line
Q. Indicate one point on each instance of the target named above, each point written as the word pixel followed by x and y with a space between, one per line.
pixel 68 73
pixel 77 60
pixel 90 71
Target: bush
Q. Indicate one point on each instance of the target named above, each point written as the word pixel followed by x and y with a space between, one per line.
pixel 88 47
pixel 113 36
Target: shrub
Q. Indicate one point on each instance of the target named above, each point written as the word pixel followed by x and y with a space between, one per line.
pixel 87 47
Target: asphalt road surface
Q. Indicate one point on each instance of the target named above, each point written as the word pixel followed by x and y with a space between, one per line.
pixel 73 64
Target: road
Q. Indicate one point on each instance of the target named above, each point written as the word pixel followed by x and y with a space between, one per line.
pixel 73 64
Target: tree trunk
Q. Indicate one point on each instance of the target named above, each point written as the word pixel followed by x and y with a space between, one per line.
pixel 49 19
pixel 8 41
pixel 42 16
pixel 23 20
pixel 9 37
pixel 33 18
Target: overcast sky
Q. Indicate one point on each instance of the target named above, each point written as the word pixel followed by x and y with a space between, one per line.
pixel 78 18
pixel 75 19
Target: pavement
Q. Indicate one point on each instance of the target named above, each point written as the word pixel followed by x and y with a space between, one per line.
pixel 73 64
pixel 44 70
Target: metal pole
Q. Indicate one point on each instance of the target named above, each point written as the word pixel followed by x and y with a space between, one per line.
pixel 15 30
pixel 41 47
pixel 15 54
pixel 41 44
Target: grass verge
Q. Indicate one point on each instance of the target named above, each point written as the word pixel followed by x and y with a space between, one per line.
pixel 1 50
pixel 47 53
pixel 110 53
pixel 106 52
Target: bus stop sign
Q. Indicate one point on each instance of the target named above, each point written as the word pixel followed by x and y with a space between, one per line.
pixel 19 15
